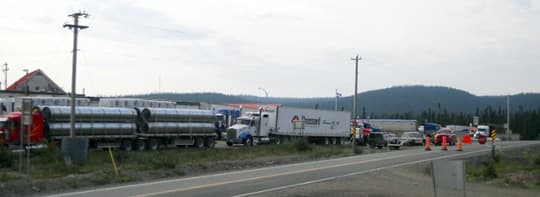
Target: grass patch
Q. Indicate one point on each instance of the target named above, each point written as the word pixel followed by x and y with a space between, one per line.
pixel 6 157
pixel 49 163
pixel 508 171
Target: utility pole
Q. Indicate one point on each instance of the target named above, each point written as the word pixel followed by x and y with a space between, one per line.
pixel 26 89
pixel 355 103
pixel 508 131
pixel 5 69
pixel 335 107
pixel 75 28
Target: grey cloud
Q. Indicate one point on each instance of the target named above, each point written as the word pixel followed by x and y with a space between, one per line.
pixel 123 20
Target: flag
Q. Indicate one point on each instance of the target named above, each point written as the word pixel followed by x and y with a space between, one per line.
pixel 338 95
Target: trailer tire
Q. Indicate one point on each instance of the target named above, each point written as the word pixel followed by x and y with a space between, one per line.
pixel 334 140
pixel 140 145
pixel 326 141
pixel 126 145
pixel 210 142
pixel 153 144
pixel 199 142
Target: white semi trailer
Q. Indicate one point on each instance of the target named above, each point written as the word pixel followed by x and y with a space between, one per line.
pixel 392 125
pixel 273 124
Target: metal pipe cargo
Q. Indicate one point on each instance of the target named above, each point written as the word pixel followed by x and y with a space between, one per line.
pixel 88 114
pixel 177 115
pixel 93 129
pixel 176 127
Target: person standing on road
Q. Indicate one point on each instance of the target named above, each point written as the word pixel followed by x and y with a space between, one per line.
pixel 365 135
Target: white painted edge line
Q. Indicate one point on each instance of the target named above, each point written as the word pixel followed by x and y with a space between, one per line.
pixel 367 171
pixel 364 157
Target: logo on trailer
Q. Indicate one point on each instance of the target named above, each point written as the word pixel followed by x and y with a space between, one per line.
pixel 295 118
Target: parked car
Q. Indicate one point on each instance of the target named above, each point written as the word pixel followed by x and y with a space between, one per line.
pixel 392 141
pixel 376 139
pixel 411 138
pixel 450 137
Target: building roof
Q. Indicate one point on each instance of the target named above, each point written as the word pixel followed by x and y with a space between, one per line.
pixel 51 86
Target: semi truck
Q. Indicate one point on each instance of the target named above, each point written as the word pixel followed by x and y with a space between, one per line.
pixel 275 124
pixel 126 128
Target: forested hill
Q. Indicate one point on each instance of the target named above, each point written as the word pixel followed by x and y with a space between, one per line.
pixel 407 99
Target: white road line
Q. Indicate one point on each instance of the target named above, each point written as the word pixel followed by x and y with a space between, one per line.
pixel 243 171
pixel 209 176
pixel 364 172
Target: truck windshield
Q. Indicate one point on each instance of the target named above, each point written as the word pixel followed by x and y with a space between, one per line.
pixel 244 121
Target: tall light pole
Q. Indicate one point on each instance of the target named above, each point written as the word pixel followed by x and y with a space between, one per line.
pixel 26 89
pixel 508 131
pixel 75 28
pixel 265 93
pixel 355 103
pixel 5 69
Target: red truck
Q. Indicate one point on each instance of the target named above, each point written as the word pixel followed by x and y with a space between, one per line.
pixel 127 128
pixel 10 126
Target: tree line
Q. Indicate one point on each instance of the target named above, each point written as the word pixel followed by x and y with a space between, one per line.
pixel 522 121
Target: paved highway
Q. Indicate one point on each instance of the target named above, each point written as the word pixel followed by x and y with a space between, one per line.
pixel 269 179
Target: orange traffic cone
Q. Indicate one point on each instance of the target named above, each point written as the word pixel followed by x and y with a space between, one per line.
pixel 444 143
pixel 459 145
pixel 427 142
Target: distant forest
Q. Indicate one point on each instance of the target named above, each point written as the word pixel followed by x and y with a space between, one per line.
pixel 434 104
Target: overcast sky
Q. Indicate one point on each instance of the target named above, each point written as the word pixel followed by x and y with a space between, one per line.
pixel 290 48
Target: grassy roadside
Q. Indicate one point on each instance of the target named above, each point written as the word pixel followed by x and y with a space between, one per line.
pixel 48 173
pixel 516 169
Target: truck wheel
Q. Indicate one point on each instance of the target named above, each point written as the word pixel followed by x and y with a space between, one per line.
pixel 210 142
pixel 277 140
pixel 229 143
pixel 153 144
pixel 126 145
pixel 199 142
pixel 139 144
pixel 248 141
pixel 334 141
pixel 326 141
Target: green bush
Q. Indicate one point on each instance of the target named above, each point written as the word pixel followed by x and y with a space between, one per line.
pixel 6 157
pixel 537 160
pixel 302 144
pixel 489 171
pixel 358 150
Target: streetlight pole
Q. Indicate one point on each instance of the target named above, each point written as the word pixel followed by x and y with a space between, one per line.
pixel 265 93
pixel 355 103
pixel 5 69
pixel 26 89
pixel 75 28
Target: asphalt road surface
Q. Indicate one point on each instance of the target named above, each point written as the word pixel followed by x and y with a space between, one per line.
pixel 272 179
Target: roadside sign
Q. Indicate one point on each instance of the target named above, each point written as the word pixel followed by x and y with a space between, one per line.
pixel 482 139
pixel 448 178
pixel 27 111
pixel 467 139
pixel 493 135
